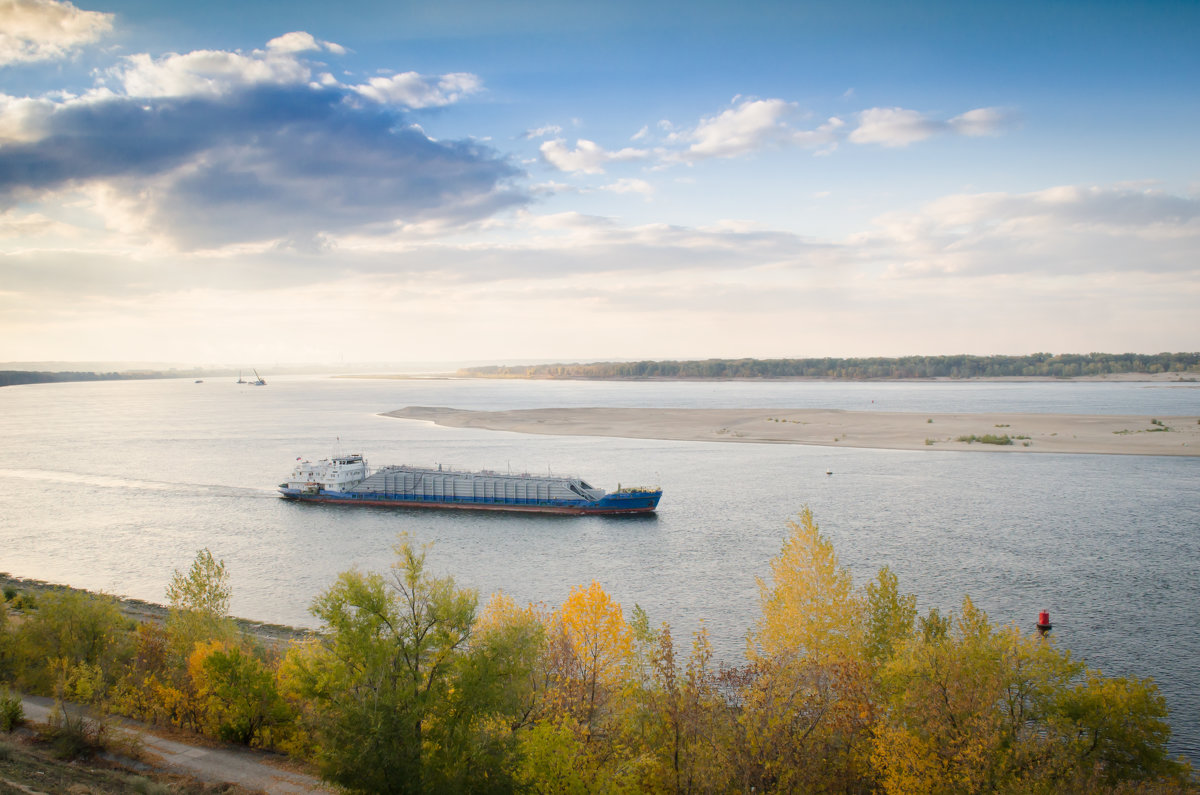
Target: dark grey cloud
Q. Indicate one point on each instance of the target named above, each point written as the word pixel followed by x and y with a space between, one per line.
pixel 260 164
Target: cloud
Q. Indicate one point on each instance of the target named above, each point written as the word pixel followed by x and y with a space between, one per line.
pixel 997 270
pixel 38 30
pixel 251 161
pixel 542 132
pixel 299 41
pixel 206 73
pixel 754 125
pixel 218 72
pixel 587 157
pixel 630 186
pixel 420 91
pixel 1067 230
pixel 898 127
pixel 982 121
pixel 738 130
pixel 893 127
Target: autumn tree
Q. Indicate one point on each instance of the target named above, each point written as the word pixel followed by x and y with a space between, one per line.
pixel 681 722
pixel 805 694
pixel 596 644
pixel 975 708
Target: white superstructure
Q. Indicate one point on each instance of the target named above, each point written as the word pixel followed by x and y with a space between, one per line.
pixel 334 474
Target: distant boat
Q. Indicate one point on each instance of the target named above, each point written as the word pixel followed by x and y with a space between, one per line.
pixel 199 380
pixel 240 379
pixel 260 381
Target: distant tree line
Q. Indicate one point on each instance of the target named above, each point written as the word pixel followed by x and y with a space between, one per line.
pixel 15 377
pixel 1046 365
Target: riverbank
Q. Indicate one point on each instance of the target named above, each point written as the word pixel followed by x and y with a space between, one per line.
pixel 141 611
pixel 1026 433
pixel 1184 378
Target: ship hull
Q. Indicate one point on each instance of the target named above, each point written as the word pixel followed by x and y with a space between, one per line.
pixel 610 505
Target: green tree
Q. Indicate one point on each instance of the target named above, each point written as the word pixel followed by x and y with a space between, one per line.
pixel 7 663
pixel 71 629
pixel 199 606
pixel 403 703
pixel 890 617
pixel 243 700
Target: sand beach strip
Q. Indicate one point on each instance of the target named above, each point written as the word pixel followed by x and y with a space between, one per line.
pixel 997 433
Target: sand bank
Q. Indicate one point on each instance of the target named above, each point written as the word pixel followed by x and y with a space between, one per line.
pixel 1029 433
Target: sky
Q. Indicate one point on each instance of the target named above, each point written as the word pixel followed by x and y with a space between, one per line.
pixel 265 182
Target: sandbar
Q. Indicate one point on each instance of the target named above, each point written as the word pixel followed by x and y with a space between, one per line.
pixel 1027 433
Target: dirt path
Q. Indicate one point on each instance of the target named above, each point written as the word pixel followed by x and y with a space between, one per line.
pixel 244 767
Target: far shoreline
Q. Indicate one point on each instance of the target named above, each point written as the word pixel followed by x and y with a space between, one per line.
pixel 1171 379
pixel 991 432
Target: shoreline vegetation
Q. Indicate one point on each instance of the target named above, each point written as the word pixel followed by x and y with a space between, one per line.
pixel 141 611
pixel 1179 366
pixel 1172 367
pixel 414 685
pixel 1027 433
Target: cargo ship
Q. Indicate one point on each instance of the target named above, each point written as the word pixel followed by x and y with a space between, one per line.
pixel 348 480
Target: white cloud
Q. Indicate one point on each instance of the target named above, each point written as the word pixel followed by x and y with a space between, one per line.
pixel 1066 230
pixel 587 157
pixel 897 127
pixel 894 127
pixel 542 132
pixel 23 119
pixel 420 91
pixel 207 73
pixel 299 41
pixel 738 130
pixel 751 126
pixel 631 186
pixel 37 30
pixel 982 121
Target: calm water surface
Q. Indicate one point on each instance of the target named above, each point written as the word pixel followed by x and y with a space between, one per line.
pixel 112 486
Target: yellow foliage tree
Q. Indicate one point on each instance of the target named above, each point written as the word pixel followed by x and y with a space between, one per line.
pixel 806 703
pixel 973 708
pixel 597 644
pixel 809 607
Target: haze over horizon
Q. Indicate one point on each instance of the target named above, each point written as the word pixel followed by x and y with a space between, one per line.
pixel 532 181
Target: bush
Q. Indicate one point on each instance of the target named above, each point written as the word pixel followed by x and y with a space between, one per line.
pixel 74 735
pixel 9 593
pixel 12 714
pixel 987 438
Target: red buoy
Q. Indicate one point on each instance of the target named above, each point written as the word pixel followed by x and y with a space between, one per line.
pixel 1043 622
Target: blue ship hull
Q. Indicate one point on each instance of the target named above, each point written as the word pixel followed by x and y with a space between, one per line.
pixel 623 502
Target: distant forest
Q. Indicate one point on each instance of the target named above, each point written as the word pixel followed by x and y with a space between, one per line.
pixel 14 377
pixel 1065 365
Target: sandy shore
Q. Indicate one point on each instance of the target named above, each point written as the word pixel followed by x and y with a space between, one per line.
pixel 1029 433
